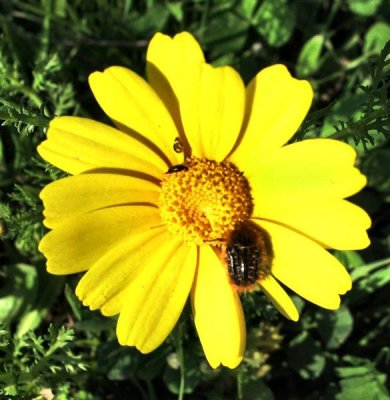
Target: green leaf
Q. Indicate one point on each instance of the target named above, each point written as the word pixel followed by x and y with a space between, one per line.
pixel 82 395
pixel 305 356
pixel 347 109
pixel 361 381
pixel 11 390
pixel 49 288
pixel 225 35
pixel 74 303
pixel 95 322
pixel 121 369
pixel 364 7
pixel 309 56
pixel 151 365
pixel 376 37
pixel 176 9
pixel 153 21
pixel 19 291
pixel 369 278
pixel 1 155
pixel 379 278
pixel 60 7
pixel 257 390
pixel 334 326
pixel 377 168
pixel 247 8
pixel 275 21
pixel 351 259
pixel 117 363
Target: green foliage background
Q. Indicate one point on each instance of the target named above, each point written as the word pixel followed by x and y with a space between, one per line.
pixel 49 343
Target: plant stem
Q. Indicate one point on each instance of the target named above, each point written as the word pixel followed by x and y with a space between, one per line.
pixel 356 126
pixel 27 119
pixel 179 346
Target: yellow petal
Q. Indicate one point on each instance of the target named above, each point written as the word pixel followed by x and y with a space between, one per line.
pixel 169 68
pixel 169 56
pixel 80 241
pixel 212 111
pixel 105 283
pixel 276 105
pixel 279 297
pixel 130 101
pixel 78 144
pixel 156 296
pixel 312 169
pixel 217 312
pixel 306 267
pixel 337 224
pixel 302 184
pixel 210 101
pixel 87 192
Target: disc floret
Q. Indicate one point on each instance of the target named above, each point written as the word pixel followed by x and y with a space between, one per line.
pixel 205 202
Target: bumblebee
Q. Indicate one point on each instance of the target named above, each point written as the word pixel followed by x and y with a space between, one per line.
pixel 248 254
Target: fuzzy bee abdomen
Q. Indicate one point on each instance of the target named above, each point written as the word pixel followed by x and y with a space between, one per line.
pixel 243 263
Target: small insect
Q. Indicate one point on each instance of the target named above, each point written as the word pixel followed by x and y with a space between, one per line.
pixel 248 254
pixel 177 146
pixel 177 168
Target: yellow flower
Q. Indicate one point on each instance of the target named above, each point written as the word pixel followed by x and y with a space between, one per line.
pixel 197 192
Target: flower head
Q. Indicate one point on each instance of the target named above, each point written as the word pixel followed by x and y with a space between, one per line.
pixel 196 192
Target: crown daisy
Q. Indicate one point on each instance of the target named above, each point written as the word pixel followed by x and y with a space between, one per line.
pixel 197 193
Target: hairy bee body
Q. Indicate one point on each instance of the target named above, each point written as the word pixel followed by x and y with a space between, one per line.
pixel 243 264
pixel 247 254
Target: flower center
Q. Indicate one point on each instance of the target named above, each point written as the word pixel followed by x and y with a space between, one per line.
pixel 203 200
